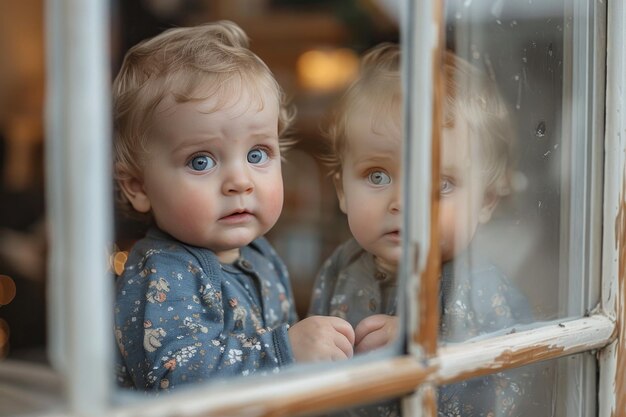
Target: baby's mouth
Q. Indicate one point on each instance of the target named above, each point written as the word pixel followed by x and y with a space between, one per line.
pixel 237 216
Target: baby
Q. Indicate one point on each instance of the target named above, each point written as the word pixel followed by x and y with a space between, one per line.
pixel 199 126
pixel 359 279
pixel 475 296
pixel 358 282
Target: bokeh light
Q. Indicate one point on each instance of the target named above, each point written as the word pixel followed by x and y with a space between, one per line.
pixel 327 70
pixel 7 290
pixel 4 338
pixel 119 261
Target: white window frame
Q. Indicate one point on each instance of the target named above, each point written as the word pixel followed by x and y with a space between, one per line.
pixel 79 189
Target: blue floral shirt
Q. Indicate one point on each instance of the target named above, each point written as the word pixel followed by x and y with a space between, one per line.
pixel 349 285
pixel 181 316
pixel 476 298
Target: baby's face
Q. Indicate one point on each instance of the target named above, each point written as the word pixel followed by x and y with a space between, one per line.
pixel 369 189
pixel 465 203
pixel 212 178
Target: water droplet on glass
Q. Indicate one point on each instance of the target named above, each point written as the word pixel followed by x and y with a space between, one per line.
pixel 476 55
pixel 540 130
pixel 498 21
pixel 546 154
pixel 458 15
pixel 550 51
pixel 524 59
pixel 513 23
pixel 516 77
pixel 467 3
pixel 556 145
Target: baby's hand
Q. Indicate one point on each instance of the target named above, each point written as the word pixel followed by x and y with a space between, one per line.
pixel 321 338
pixel 375 331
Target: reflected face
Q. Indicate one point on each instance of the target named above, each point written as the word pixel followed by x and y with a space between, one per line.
pixel 369 189
pixel 465 202
pixel 212 178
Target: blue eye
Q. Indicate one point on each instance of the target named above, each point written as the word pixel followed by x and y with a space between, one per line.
pixel 446 186
pixel 201 163
pixel 257 156
pixel 379 178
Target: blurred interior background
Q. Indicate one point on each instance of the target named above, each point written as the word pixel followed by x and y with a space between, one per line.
pixel 312 47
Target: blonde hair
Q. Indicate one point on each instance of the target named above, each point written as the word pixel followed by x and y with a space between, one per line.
pixel 470 95
pixel 185 64
pixel 375 90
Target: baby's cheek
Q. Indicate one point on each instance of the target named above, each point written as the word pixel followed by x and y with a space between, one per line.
pixel 188 219
pixel 273 204
pixel 361 227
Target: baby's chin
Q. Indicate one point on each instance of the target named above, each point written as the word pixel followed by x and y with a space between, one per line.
pixel 386 263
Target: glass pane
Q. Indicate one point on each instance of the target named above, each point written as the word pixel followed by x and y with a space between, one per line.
pixel 22 208
pixel 520 174
pixel 520 169
pixel 562 387
pixel 25 386
pixel 242 316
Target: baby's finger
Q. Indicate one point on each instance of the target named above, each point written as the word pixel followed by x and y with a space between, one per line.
pixel 368 325
pixel 338 355
pixel 344 345
pixel 373 340
pixel 344 328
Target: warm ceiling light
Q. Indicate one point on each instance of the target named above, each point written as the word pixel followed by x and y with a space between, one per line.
pixel 327 70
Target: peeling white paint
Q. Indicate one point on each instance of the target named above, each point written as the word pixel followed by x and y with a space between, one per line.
pixel 342 385
pixel 557 339
pixel 611 382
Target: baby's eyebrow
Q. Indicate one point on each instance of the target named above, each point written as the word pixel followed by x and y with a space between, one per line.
pixel 264 135
pixel 377 159
pixel 194 143
pixel 450 171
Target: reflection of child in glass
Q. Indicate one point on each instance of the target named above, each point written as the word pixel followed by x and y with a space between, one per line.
pixel 358 282
pixel 199 121
pixel 476 297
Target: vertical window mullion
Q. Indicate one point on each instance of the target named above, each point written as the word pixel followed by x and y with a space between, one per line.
pixel 611 400
pixel 422 32
pixel 581 224
pixel 56 189
pixel 79 177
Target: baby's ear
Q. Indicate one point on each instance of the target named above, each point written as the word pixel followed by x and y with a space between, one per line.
pixel 341 196
pixel 490 202
pixel 133 190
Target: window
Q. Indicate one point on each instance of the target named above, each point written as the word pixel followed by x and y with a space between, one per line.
pixel 560 68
